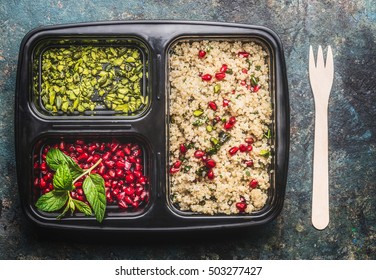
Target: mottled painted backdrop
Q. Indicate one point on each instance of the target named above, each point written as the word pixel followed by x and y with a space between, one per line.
pixel 349 26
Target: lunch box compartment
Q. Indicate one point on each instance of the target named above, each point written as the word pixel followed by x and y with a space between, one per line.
pixel 90 77
pixel 270 60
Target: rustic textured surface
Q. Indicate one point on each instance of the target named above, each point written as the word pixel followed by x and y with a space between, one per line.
pixel 349 26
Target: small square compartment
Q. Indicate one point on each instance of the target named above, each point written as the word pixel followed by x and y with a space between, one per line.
pixel 124 164
pixel 90 77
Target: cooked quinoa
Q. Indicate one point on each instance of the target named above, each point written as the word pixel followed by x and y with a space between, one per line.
pixel 220 122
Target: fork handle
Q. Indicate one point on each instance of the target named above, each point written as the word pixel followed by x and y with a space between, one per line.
pixel 320 192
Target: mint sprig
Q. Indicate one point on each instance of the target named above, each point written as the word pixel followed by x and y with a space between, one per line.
pixel 67 173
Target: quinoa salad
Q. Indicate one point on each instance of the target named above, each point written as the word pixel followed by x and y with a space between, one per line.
pixel 221 116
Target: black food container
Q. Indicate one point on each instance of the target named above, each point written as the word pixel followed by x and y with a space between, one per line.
pixel 95 125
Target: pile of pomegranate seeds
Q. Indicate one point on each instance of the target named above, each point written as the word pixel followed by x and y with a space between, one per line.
pixel 122 169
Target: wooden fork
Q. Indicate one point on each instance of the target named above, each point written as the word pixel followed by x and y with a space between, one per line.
pixel 321 79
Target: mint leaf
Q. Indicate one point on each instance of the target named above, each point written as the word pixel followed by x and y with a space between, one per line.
pixel 55 157
pixel 65 211
pixel 52 201
pixel 63 178
pixel 82 207
pixel 95 193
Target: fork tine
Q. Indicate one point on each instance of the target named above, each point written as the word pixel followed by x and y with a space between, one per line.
pixel 320 59
pixel 311 60
pixel 329 60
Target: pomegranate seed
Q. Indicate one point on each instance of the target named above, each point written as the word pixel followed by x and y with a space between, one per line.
pixel 79 150
pixel 128 200
pixel 109 163
pixel 201 53
pixel 49 176
pixel 228 126
pixel 43 166
pixel 111 173
pixel 90 159
pixel 96 157
pixel 245 71
pixel 135 204
pixel 174 170
pixel 242 148
pixel 42 183
pixel 80 192
pixel 249 140
pixel 132 159
pixel 253 184
pixel 122 204
pixel 183 148
pixel 120 164
pixel 119 173
pixel 142 180
pixel 177 164
pixel 129 191
pixel 137 152
pixel 144 196
pixel 249 163
pixel 107 184
pixel 223 68
pixel 106 156
pixel 139 190
pixel 120 153
pixel 204 158
pixel 62 145
pixel 102 147
pixel 127 165
pixel 120 196
pixel 232 120
pixel 243 54
pixel 249 148
pixel 241 206
pixel 243 82
pixel 211 174
pixel 206 77
pixel 80 142
pixel 225 102
pixel 114 146
pixel 137 173
pixel 233 151
pixel 36 182
pixel 127 151
pixel 36 165
pixel 129 178
pixel 199 154
pixel 210 163
pixel 83 157
pixel 256 88
pixel 212 105
pixel 92 148
pixel 138 167
pixel 78 184
pixel 220 76
pixel 233 91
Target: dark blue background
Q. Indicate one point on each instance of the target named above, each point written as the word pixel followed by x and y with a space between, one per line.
pixel 348 26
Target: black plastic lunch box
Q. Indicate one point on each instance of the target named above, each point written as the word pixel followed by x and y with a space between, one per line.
pixel 34 126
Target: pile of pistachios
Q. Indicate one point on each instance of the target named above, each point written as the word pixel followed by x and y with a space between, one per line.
pixel 79 79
